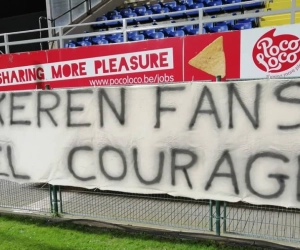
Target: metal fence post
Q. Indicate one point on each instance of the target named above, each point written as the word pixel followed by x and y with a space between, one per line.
pixel 218 218
pixel 60 33
pixel 200 13
pixel 50 195
pixel 210 215
pixel 293 13
pixel 224 217
pixel 218 210
pixel 53 199
pixel 6 40
pixel 60 200
pixel 125 30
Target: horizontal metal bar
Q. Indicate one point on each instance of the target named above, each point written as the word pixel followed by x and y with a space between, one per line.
pixel 31 41
pixel 30 31
pixel 66 37
pixel 159 26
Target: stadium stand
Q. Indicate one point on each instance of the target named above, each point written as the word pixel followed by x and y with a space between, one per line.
pixel 147 14
pixel 141 14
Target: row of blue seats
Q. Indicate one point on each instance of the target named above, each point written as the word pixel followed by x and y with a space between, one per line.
pixel 168 11
pixel 164 32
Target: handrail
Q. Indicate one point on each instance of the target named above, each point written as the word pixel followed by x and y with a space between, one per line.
pixel 124 29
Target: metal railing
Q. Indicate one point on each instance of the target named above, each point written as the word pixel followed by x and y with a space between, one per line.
pixel 124 28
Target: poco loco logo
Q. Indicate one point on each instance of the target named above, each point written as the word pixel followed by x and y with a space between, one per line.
pixel 275 54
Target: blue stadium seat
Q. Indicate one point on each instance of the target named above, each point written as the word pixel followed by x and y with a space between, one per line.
pixel 100 41
pixel 132 33
pixel 176 33
pixel 70 44
pixel 252 20
pixel 229 23
pixel 113 37
pixel 167 30
pixel 205 2
pixel 195 7
pixel 214 10
pixel 100 19
pixel 139 37
pixel 132 18
pixel 164 14
pixel 96 39
pixel 173 14
pixel 196 31
pixel 232 8
pixel 117 40
pixel 186 28
pixel 143 14
pixel 170 5
pixel 125 12
pixel 84 43
pixel 156 35
pixel 242 26
pixel 117 20
pixel 250 6
pixel 148 33
pixel 112 13
pixel 188 3
pixel 140 11
pixel 216 29
pixel 155 8
pixel 87 38
pixel 206 26
pixel 221 24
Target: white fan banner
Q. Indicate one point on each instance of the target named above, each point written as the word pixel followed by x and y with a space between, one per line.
pixel 233 141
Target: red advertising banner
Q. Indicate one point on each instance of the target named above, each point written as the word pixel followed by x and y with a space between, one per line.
pixel 211 55
pixel 149 62
pixel 254 53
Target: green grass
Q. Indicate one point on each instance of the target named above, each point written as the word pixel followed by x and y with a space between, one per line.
pixel 22 233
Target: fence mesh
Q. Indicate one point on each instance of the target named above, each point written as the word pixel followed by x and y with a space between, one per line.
pixel 160 210
pixel 32 197
pixel 260 222
pixel 269 222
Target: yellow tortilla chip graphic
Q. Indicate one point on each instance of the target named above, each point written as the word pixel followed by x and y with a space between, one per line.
pixel 211 59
